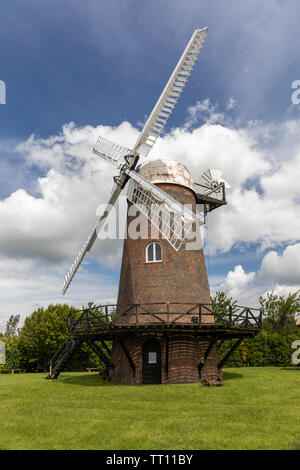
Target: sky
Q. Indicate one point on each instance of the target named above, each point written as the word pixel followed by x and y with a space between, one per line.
pixel 75 70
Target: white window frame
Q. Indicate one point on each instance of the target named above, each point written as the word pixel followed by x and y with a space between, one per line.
pixel 154 253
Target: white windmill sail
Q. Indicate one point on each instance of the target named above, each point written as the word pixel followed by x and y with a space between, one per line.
pixel 111 152
pixel 210 175
pixel 91 238
pixel 163 108
pixel 171 93
pixel 211 178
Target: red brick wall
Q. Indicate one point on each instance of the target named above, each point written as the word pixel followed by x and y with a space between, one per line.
pixel 185 352
pixel 180 277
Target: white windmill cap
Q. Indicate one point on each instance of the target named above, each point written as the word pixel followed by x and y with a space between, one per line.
pixel 163 170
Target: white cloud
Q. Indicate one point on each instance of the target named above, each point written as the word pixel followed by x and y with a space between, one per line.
pixel 215 146
pixel 281 289
pixel 54 224
pixel 278 273
pixel 48 226
pixel 263 202
pixel 203 111
pixel 282 269
pixel 231 103
pixel 236 284
pixel 26 284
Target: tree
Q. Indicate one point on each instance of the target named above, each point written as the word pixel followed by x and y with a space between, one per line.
pixel 11 326
pixel 280 312
pixel 220 306
pixel 42 334
pixel 13 354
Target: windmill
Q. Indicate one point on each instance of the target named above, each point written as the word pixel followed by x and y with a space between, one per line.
pixel 163 329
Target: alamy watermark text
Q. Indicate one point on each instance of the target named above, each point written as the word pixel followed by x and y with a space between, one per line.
pixel 295 98
pixel 2 352
pixel 2 92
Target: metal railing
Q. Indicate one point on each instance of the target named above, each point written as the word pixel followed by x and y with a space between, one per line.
pixel 165 313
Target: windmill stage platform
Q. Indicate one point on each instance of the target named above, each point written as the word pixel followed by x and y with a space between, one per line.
pixel 164 317
pixel 187 325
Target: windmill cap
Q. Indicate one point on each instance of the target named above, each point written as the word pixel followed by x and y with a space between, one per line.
pixel 163 170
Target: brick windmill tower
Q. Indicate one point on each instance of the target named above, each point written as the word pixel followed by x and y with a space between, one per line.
pixel 164 329
pixel 165 288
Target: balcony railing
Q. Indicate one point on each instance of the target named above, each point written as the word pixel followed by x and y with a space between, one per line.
pixel 110 316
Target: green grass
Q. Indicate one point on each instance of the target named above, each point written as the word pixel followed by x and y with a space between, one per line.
pixel 257 408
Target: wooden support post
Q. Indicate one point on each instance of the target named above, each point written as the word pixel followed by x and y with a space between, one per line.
pixel 167 357
pixel 105 347
pixel 87 319
pixel 230 314
pixel 206 354
pixel 221 344
pixel 69 323
pixel 229 353
pixel 127 354
pixel 260 318
pixel 223 193
pixel 100 353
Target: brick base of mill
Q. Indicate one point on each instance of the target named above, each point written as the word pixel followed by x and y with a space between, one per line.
pixel 149 359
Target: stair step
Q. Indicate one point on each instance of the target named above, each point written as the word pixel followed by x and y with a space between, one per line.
pixel 67 352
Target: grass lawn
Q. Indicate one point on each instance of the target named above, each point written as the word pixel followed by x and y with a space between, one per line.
pixel 257 408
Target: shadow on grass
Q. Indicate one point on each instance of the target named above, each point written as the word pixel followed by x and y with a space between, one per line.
pixel 94 380
pixel 88 380
pixel 290 369
pixel 231 375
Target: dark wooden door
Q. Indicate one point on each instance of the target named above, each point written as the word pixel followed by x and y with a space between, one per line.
pixel 151 362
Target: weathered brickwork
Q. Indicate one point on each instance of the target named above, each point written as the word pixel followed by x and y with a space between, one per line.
pixel 122 371
pixel 180 277
pixel 184 357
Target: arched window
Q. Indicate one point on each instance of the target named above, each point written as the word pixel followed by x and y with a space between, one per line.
pixel 153 252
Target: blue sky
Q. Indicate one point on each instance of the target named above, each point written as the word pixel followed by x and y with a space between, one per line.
pixel 98 63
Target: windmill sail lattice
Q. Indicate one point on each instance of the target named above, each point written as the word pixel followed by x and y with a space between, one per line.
pixel 91 239
pixel 211 179
pixel 141 192
pixel 170 217
pixel 171 93
pixel 111 152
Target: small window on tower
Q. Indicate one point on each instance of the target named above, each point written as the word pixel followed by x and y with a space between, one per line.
pixel 152 359
pixel 154 252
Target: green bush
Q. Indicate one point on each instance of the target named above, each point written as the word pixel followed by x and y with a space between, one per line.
pixel 42 334
pixel 265 349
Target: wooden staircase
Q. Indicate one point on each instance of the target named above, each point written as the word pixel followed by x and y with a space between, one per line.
pixel 60 358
